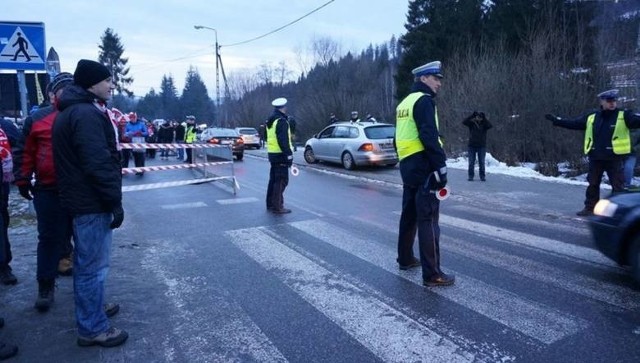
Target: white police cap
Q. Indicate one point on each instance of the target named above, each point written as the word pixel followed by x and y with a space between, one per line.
pixel 279 102
pixel 431 68
pixel 611 94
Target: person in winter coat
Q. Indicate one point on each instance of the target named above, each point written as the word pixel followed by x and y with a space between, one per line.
pixel 478 126
pixel 54 223
pixel 89 175
pixel 606 142
pixel 279 149
pixel 10 137
pixel 165 136
pixel 134 130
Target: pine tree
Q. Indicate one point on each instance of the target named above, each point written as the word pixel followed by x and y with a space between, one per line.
pixel 195 98
pixel 110 55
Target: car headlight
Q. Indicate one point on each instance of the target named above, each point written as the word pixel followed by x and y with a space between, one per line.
pixel 605 208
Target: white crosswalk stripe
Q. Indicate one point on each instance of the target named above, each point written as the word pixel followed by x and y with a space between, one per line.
pixel 537 321
pixel 384 330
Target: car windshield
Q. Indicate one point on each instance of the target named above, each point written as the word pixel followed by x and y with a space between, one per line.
pixel 380 132
pixel 248 131
pixel 222 133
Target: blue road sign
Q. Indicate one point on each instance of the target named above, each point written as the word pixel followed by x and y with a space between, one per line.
pixel 22 46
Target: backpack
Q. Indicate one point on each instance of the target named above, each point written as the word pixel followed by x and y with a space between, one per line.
pixel 7 159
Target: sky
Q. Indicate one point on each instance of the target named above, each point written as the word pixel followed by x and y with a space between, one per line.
pixel 159 36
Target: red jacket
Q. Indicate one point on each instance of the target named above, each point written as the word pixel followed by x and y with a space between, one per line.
pixel 37 156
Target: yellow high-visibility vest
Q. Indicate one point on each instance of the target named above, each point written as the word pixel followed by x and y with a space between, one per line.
pixel 272 139
pixel 621 139
pixel 407 136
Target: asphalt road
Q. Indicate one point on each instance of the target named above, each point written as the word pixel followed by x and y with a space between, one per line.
pixel 204 275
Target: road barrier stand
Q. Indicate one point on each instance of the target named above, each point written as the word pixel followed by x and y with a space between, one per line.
pixel 221 156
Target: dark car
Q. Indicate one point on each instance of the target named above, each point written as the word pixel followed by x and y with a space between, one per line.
pixel 615 227
pixel 224 136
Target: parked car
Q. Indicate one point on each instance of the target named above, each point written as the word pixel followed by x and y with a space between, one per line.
pixel 250 136
pixel 224 136
pixel 353 144
pixel 615 227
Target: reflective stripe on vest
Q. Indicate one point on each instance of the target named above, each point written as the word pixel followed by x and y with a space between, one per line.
pixel 407 136
pixel 272 139
pixel 620 141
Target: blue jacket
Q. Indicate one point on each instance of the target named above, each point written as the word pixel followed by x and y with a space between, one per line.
pixel 131 129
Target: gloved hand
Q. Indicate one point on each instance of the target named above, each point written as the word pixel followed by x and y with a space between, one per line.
pixel 26 191
pixel 138 133
pixel 440 178
pixel 552 117
pixel 118 217
pixel 289 160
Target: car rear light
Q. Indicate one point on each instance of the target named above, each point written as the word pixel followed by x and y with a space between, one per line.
pixel 214 141
pixel 366 147
pixel 240 141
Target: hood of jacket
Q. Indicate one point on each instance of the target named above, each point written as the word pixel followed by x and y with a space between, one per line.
pixel 74 94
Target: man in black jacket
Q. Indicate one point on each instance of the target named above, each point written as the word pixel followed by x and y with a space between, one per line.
pixel 280 153
pixel 87 164
pixel 607 143
pixel 478 126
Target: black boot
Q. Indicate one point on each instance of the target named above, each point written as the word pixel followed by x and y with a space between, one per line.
pixel 46 288
pixel 6 276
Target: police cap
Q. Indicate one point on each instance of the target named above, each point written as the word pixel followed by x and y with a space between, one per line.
pixel 431 68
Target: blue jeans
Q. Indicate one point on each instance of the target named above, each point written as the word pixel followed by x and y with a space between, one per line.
pixel 92 236
pixel 54 232
pixel 481 152
pixel 5 247
pixel 629 165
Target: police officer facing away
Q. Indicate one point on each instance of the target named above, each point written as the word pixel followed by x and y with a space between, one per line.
pixel 279 148
pixel 606 142
pixel 423 169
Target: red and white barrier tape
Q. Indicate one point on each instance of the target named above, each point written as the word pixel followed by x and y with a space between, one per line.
pixel 171 167
pixel 131 146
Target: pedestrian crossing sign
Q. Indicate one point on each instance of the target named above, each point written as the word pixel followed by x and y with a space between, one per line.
pixel 22 46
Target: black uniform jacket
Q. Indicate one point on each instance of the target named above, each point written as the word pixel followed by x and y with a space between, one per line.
pixel 603 126
pixel 416 168
pixel 86 158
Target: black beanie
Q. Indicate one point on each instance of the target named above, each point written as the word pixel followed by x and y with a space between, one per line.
pixel 89 72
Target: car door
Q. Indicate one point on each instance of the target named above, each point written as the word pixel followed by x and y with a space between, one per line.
pixel 337 143
pixel 322 143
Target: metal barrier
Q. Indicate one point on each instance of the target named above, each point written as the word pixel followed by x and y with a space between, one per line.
pixel 199 151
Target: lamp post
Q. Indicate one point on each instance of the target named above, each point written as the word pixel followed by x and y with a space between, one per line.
pixel 198 27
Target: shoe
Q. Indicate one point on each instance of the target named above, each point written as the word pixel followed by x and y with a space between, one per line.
pixel 46 290
pixel 440 280
pixel 483 179
pixel 111 309
pixel 414 263
pixel 7 350
pixel 140 173
pixel 65 266
pixel 281 211
pixel 111 338
pixel 585 212
pixel 6 276
pixel 470 179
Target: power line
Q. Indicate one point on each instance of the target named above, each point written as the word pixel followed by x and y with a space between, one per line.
pixel 280 28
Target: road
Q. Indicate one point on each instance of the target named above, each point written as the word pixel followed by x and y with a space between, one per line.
pixel 204 275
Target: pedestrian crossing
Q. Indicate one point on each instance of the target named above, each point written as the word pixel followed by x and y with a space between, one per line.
pixel 307 256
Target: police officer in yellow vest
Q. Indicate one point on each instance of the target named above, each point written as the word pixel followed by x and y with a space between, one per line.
pixel 279 148
pixel 190 137
pixel 424 170
pixel 606 142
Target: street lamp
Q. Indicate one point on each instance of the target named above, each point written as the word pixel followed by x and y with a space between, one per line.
pixel 198 27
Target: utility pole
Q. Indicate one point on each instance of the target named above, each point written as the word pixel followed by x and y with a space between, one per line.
pixel 218 113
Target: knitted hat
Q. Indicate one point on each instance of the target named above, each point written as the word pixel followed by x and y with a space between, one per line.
pixel 89 73
pixel 60 81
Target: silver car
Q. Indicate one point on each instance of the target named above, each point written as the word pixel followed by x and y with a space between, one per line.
pixel 353 144
pixel 250 136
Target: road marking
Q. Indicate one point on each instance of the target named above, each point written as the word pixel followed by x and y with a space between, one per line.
pixel 384 330
pixel 611 294
pixel 532 319
pixel 184 205
pixel 236 200
pixel 228 336
pixel 529 240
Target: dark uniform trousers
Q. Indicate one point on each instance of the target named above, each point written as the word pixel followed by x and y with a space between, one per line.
pixel 421 212
pixel 278 181
pixel 613 168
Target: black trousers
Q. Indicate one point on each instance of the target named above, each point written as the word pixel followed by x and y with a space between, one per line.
pixel 278 181
pixel 138 158
pixel 421 214
pixel 615 173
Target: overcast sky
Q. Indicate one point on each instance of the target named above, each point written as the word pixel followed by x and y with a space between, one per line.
pixel 159 36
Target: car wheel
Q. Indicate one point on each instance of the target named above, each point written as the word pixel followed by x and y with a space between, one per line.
pixel 347 161
pixel 239 157
pixel 309 156
pixel 634 258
